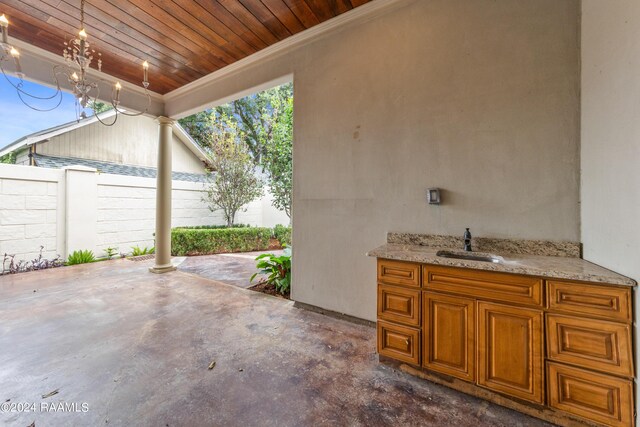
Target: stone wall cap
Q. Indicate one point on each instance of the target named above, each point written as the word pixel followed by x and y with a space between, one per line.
pixel 80 168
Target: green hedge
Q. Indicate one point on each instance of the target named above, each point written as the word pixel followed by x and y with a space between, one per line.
pixel 283 234
pixel 190 241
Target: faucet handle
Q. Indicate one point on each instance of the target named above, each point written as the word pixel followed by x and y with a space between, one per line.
pixel 467 240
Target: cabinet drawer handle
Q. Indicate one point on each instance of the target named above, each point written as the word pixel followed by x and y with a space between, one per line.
pixel 407 341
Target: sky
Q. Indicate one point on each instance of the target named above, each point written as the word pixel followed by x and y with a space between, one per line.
pixel 18 120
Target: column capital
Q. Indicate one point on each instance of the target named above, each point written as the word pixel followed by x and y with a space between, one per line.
pixel 165 120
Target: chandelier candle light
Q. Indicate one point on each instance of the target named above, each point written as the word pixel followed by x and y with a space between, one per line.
pixel 78 57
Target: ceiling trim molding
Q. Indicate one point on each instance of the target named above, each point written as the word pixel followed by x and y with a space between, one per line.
pixel 287 78
pixel 357 15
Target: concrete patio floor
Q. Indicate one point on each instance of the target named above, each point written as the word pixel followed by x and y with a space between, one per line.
pixel 135 347
pixel 232 268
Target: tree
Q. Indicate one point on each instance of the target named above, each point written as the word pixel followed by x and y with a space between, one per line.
pixel 265 124
pixel 266 120
pixel 9 158
pixel 99 107
pixel 199 126
pixel 232 182
pixel 257 114
pixel 277 158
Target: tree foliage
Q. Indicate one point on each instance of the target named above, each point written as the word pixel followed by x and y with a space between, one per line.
pixel 99 107
pixel 199 126
pixel 232 181
pixel 265 124
pixel 277 157
pixel 9 158
pixel 257 116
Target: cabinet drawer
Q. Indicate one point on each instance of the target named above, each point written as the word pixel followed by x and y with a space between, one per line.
pixel 593 344
pixel 481 284
pixel 399 305
pixel 607 302
pixel 596 397
pixel 399 342
pixel 398 273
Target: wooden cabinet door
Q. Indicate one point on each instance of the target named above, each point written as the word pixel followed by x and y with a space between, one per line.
pixel 449 335
pixel 510 351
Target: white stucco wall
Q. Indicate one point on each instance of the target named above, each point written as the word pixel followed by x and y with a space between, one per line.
pixel 126 211
pixel 28 211
pixel 127 208
pixel 610 149
pixel 477 97
pixel 610 142
pixel 77 208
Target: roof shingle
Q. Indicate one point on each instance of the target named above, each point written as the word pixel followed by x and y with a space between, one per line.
pixel 53 162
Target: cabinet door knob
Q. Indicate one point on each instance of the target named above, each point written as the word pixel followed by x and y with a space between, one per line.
pixel 407 341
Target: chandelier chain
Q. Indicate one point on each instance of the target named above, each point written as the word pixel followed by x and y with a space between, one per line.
pixel 82 14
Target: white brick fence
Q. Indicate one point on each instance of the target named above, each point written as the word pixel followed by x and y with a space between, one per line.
pixel 76 208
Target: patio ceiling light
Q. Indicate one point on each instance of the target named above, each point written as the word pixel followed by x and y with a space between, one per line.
pixel 78 57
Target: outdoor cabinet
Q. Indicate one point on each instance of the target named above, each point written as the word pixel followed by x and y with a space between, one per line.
pixel 449 335
pixel 510 358
pixel 562 346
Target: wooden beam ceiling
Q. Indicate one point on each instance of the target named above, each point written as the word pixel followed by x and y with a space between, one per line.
pixel 182 40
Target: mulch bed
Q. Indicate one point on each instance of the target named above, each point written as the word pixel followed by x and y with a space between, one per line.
pixel 270 289
pixel 274 244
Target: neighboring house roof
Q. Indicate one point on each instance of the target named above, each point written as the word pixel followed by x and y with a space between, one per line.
pixel 191 143
pixel 47 134
pixel 111 168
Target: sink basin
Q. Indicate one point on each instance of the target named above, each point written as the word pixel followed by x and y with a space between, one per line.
pixel 471 256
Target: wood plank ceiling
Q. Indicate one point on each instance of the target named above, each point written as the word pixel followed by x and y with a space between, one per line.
pixel 182 40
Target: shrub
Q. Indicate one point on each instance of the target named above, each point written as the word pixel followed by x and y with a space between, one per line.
pixel 188 241
pixel 137 251
pixel 10 266
pixel 81 257
pixel 277 269
pixel 111 252
pixel 283 234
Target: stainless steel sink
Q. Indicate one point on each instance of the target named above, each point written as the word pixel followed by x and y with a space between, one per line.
pixel 471 256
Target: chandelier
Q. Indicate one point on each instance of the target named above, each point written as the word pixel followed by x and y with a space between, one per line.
pixel 78 57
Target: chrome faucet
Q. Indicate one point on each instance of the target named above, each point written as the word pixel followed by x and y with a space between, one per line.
pixel 467 240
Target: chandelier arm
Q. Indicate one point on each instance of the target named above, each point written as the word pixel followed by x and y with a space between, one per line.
pixel 129 114
pixel 141 112
pixel 115 105
pixel 115 119
pixel 97 115
pixel 21 91
pixel 44 110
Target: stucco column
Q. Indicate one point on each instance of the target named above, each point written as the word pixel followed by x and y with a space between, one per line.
pixel 80 209
pixel 163 199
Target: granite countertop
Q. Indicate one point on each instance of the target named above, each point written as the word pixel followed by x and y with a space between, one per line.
pixel 559 267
